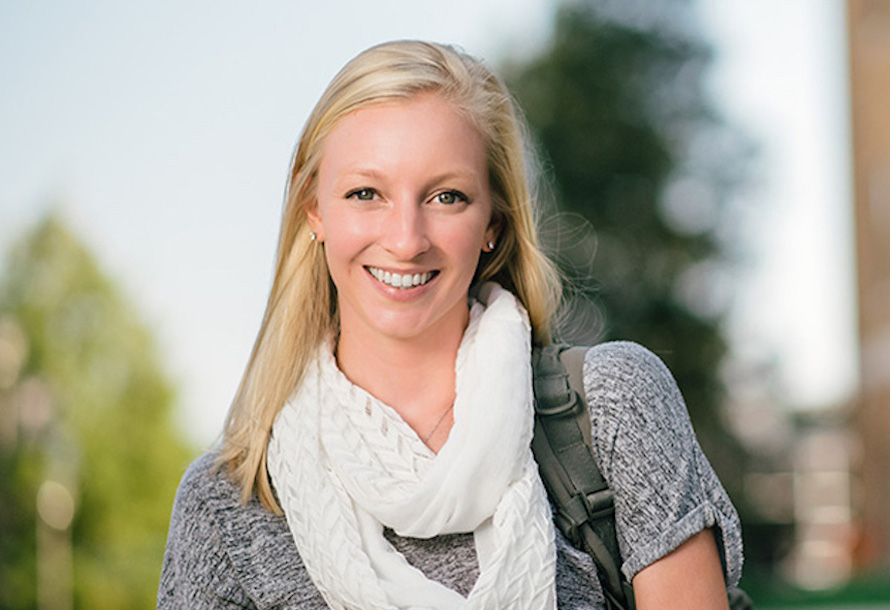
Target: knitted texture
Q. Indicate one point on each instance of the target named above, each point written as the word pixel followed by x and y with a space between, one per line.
pixel 345 465
pixel 647 450
pixel 225 554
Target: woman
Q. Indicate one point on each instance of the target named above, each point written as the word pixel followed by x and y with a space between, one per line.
pixel 377 452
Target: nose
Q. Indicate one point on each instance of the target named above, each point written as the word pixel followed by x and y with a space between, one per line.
pixel 406 232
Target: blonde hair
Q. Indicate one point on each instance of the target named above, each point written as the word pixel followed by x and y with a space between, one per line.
pixel 302 307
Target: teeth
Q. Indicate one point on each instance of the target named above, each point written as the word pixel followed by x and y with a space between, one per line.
pixel 400 281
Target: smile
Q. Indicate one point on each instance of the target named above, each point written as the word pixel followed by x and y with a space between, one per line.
pixel 401 281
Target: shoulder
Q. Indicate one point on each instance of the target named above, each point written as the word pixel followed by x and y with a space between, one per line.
pixel 202 479
pixel 208 506
pixel 621 368
pixel 622 359
pixel 204 490
pixel 218 543
pixel 207 503
pixel 631 393
pixel 195 560
pixel 198 485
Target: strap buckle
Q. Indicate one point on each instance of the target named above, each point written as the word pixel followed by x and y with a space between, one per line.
pixel 572 406
pixel 584 509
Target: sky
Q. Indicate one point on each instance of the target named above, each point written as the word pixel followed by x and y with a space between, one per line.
pixel 781 76
pixel 162 131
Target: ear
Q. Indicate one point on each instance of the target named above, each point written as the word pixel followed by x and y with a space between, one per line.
pixel 313 218
pixel 492 233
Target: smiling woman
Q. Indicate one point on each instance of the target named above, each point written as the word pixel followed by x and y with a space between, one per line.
pixel 377 453
pixel 404 211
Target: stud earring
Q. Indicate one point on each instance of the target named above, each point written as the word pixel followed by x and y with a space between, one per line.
pixel 313 236
pixel 490 246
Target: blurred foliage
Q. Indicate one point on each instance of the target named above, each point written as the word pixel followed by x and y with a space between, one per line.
pixel 642 172
pixel 84 402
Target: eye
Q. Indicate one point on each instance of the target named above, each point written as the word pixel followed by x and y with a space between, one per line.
pixel 364 194
pixel 451 197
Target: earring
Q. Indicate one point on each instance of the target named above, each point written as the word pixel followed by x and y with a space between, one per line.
pixel 490 246
pixel 313 236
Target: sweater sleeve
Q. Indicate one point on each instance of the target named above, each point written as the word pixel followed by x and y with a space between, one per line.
pixel 665 488
pixel 197 572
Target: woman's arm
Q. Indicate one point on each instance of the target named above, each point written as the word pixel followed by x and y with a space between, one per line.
pixel 678 531
pixel 688 578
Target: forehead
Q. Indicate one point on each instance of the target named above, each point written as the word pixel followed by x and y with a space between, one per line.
pixel 423 126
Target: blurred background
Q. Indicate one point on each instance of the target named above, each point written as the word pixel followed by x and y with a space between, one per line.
pixel 716 177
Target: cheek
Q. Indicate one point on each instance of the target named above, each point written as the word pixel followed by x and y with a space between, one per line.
pixel 340 248
pixel 343 232
pixel 465 246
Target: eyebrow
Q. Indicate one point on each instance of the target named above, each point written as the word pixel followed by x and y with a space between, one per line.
pixel 366 172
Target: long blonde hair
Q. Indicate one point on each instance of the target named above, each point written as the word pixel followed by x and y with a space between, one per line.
pixel 302 307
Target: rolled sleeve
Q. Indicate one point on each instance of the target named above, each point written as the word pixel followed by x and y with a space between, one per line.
pixel 665 489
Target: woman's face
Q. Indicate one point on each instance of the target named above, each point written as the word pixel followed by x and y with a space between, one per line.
pixel 404 211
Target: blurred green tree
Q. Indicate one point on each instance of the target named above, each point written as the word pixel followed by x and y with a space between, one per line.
pixel 637 158
pixel 84 403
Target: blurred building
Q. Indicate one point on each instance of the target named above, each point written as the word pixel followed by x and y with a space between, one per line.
pixel 799 484
pixel 823 506
pixel 869 55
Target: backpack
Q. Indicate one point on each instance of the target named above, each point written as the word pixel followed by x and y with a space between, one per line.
pixel 585 508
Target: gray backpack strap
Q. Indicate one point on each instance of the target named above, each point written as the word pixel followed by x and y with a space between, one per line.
pixel 561 444
pixel 572 358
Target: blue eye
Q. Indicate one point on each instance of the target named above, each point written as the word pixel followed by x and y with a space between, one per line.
pixel 362 194
pixel 451 197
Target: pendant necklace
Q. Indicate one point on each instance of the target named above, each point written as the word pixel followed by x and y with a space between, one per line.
pixel 438 423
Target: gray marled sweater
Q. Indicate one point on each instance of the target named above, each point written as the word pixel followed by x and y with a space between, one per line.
pixel 222 554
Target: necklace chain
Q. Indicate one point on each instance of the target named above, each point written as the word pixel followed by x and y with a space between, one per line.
pixel 438 423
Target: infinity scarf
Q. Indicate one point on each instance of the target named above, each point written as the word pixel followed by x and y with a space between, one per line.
pixel 345 465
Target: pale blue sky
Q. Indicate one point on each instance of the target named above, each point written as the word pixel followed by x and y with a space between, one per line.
pixel 164 131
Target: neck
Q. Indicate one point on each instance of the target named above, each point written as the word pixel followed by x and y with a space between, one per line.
pixel 415 376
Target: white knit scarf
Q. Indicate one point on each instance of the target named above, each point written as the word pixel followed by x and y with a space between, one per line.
pixel 345 465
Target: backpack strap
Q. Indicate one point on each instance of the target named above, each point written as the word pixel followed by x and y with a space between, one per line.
pixel 562 447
